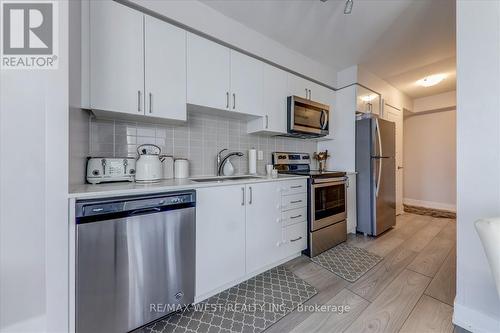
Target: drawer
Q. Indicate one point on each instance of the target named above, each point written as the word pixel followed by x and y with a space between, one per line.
pixel 293 201
pixel 294 186
pixel 295 239
pixel 293 216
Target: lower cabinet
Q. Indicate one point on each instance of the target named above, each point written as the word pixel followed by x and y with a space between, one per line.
pixel 352 220
pixel 220 236
pixel 243 229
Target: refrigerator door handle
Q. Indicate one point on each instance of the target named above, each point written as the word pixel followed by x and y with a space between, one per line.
pixel 377 127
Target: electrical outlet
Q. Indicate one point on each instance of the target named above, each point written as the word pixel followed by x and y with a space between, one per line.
pixel 260 155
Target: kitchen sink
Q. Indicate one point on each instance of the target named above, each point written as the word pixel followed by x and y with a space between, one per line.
pixel 223 179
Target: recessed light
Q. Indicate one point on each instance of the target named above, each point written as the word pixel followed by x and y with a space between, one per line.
pixel 368 98
pixel 431 80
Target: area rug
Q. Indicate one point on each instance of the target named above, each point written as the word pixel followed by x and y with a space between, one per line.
pixel 252 306
pixel 348 262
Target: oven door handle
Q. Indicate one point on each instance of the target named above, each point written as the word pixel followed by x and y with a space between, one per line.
pixel 332 181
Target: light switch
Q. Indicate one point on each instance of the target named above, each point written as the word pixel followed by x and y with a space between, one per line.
pixel 260 155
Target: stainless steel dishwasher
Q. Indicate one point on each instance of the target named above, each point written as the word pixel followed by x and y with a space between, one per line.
pixel 135 255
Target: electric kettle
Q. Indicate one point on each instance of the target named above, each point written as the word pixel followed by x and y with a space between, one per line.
pixel 148 167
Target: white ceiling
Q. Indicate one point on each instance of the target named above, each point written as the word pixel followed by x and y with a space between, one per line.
pixel 397 40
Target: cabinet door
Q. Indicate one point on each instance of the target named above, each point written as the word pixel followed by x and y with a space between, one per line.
pixel 165 70
pixel 319 93
pixel 263 225
pixel 367 101
pixel 275 94
pixel 117 58
pixel 208 73
pixel 298 86
pixel 220 237
pixel 246 84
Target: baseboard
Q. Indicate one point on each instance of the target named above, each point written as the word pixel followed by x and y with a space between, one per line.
pixel 430 204
pixel 473 320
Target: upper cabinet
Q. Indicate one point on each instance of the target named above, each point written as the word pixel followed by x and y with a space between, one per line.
pixel 367 101
pixel 223 79
pixel 116 58
pixel 301 87
pixel 208 73
pixel 274 112
pixel 165 70
pixel 138 63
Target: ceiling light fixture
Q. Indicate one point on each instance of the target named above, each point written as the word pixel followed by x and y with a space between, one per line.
pixel 368 98
pixel 431 80
pixel 348 6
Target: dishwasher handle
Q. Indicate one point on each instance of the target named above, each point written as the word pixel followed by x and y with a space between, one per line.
pixel 145 211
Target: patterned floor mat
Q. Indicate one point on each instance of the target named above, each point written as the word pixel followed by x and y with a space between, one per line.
pixel 348 262
pixel 252 306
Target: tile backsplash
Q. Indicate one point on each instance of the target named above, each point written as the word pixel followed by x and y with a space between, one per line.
pixel 199 140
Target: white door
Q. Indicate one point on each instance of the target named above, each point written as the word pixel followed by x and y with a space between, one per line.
pixel 263 225
pixel 395 115
pixel 208 73
pixel 275 94
pixel 298 86
pixel 165 70
pixel 319 93
pixel 220 237
pixel 117 58
pixel 246 84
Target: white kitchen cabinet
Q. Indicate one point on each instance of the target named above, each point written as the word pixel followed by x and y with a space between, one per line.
pixel 294 239
pixel 246 84
pixel 165 70
pixel 351 204
pixel 263 225
pixel 117 58
pixel 367 101
pixel 208 73
pixel 220 237
pixel 274 108
pixel 309 90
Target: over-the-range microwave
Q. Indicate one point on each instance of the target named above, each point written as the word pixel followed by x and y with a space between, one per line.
pixel 306 118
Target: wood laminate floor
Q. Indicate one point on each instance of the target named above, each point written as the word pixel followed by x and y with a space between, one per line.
pixel 411 290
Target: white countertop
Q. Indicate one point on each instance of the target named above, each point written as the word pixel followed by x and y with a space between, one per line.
pixel 89 191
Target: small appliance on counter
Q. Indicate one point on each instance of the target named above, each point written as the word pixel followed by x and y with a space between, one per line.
pixel 110 169
pixel 148 165
pixel 327 205
pixel 181 168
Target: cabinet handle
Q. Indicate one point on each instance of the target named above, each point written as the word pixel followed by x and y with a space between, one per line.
pixel 138 101
pixel 234 101
pixel 295 201
pixel 296 216
pixel 296 186
pixel 310 94
pixel 243 196
pixel 307 94
pixel 296 239
pixel 267 121
pixel 150 103
pixel 251 196
pixel 227 99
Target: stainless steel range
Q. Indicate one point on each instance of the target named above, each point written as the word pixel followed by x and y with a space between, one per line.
pixel 327 208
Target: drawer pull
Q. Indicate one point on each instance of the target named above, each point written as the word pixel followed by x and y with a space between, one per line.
pixel 296 216
pixel 296 186
pixel 296 239
pixel 295 201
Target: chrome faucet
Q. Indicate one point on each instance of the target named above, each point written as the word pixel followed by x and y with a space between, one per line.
pixel 222 160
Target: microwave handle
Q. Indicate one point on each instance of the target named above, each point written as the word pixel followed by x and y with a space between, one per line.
pixel 324 119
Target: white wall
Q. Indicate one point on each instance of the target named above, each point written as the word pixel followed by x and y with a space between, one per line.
pixel 430 160
pixel 445 100
pixel 477 306
pixel 33 195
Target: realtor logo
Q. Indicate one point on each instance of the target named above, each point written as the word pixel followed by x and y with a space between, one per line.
pixel 29 35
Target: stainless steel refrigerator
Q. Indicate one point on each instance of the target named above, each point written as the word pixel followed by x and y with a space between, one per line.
pixel 376 179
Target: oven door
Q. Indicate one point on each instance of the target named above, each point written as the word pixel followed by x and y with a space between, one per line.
pixel 328 202
pixel 307 117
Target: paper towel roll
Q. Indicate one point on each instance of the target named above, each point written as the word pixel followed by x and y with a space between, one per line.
pixel 252 161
